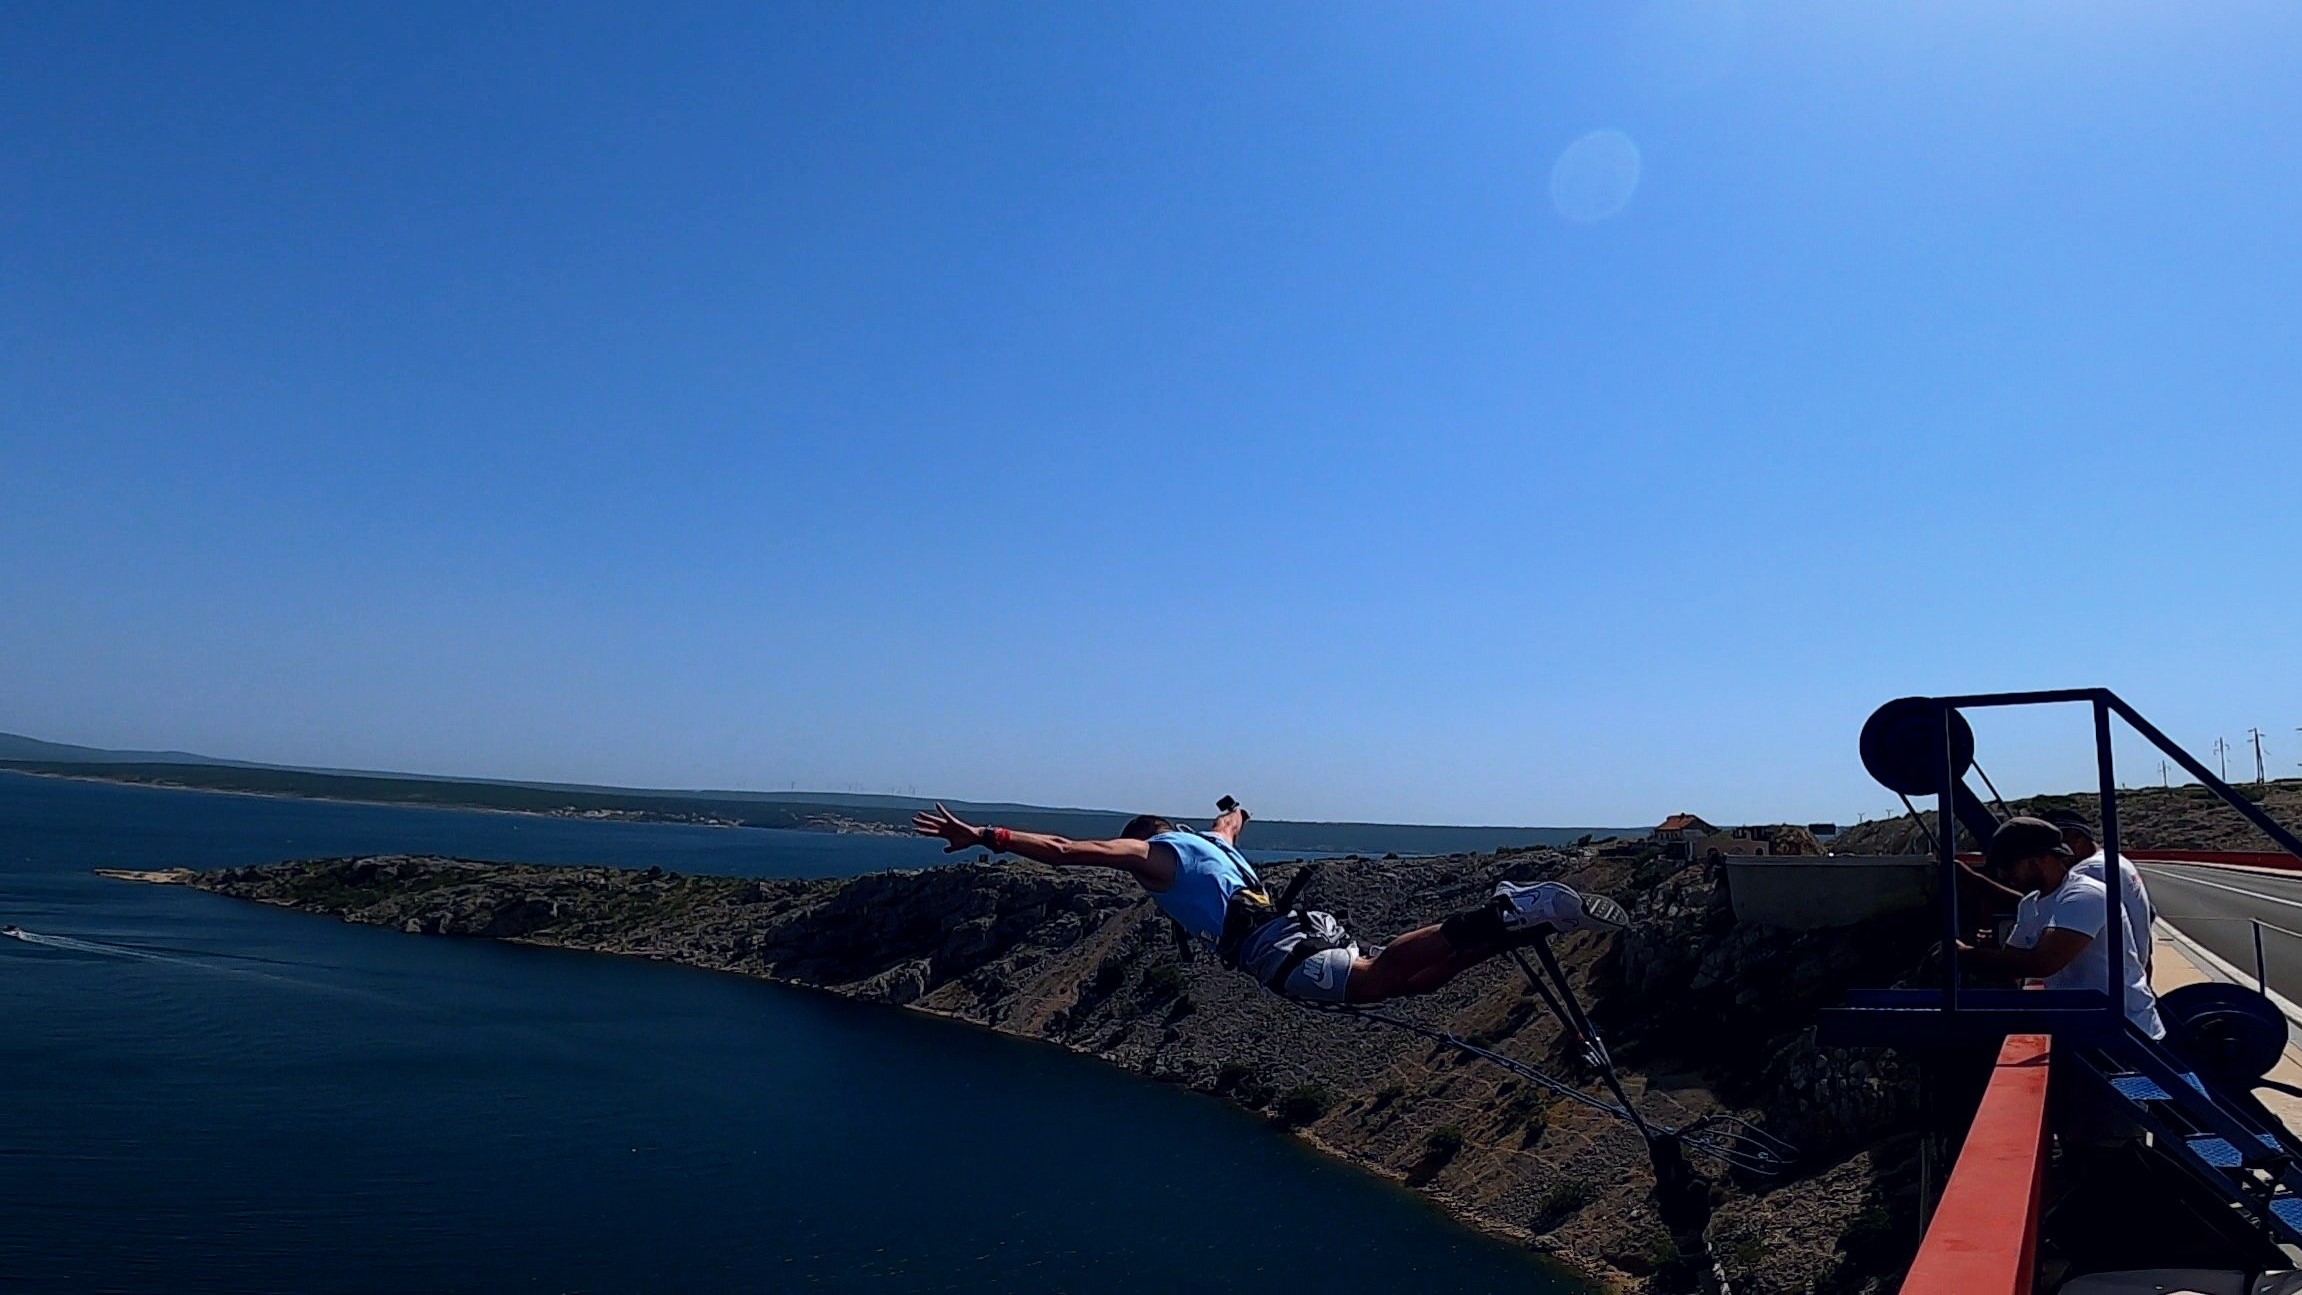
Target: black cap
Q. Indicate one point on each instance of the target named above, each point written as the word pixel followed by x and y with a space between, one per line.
pixel 2024 838
pixel 2070 820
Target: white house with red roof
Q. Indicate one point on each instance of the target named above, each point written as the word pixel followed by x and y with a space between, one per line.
pixel 1684 829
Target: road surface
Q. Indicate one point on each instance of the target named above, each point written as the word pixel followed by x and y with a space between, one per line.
pixel 2217 907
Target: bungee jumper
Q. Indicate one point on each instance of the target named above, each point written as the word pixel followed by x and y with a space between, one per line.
pixel 1213 896
pixel 1207 887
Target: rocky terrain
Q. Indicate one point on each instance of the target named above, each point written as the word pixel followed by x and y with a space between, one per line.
pixel 2149 818
pixel 1702 1015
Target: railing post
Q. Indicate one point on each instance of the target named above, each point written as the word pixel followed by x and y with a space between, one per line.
pixel 1946 840
pixel 2113 879
pixel 2261 971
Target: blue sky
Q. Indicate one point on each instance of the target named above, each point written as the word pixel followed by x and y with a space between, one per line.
pixel 1124 405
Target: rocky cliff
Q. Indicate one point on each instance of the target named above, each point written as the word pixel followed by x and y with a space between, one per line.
pixel 1703 1015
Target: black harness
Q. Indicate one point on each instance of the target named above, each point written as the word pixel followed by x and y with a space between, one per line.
pixel 1309 942
pixel 1249 910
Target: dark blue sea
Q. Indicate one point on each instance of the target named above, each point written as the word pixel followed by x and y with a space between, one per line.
pixel 204 1095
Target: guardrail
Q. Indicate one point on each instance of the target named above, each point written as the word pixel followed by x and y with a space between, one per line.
pixel 1984 1236
pixel 2277 859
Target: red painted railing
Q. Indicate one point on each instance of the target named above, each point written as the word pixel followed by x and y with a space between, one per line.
pixel 2229 856
pixel 1984 1237
pixel 2242 858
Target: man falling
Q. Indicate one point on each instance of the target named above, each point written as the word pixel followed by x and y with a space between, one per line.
pixel 1203 882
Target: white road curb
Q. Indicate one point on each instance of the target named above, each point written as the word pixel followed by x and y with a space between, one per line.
pixel 2213 964
pixel 2291 874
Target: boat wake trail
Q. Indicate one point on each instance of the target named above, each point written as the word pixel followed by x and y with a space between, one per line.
pixel 67 942
pixel 94 948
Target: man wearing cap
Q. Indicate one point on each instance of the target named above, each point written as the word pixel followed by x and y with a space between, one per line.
pixel 2078 834
pixel 2058 925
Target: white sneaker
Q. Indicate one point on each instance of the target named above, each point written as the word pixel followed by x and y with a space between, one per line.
pixel 1530 906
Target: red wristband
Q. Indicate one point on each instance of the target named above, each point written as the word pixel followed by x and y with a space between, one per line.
pixel 999 837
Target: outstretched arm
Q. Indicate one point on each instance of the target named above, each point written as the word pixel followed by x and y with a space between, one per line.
pixel 1126 855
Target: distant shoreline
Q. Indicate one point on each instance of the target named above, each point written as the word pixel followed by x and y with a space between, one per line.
pixel 637 816
pixel 834 814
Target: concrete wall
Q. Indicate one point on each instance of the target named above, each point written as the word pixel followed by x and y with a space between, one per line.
pixel 1806 893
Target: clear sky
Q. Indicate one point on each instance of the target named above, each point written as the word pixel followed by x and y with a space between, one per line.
pixel 1520 413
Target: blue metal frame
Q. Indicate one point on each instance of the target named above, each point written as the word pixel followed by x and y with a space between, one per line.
pixel 1954 1013
pixel 2217 1132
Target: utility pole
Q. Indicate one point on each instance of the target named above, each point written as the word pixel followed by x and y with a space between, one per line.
pixel 2165 779
pixel 2259 777
pixel 2222 753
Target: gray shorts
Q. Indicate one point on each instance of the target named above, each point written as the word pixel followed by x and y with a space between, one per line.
pixel 1319 978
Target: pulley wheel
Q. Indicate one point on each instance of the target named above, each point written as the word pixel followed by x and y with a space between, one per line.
pixel 2227 1031
pixel 1902 745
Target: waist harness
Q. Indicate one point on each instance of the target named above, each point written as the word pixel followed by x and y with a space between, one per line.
pixel 1250 910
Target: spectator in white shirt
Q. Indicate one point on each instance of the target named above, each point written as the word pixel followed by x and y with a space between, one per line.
pixel 2078 834
pixel 2056 929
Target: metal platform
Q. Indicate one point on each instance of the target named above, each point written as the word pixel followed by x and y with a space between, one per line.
pixel 2203 1118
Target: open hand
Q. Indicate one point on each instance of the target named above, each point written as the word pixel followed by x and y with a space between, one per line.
pixel 942 822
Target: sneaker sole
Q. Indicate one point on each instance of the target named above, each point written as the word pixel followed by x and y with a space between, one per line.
pixel 1598 908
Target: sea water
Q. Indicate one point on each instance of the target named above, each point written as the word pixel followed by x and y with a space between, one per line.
pixel 201 1094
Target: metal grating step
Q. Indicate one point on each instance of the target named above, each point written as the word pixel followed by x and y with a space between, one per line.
pixel 2221 1154
pixel 2289 1211
pixel 2138 1088
pixel 2216 1152
pixel 2142 1088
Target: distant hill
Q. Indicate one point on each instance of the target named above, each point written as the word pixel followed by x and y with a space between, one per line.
pixel 2149 818
pixel 802 811
pixel 15 747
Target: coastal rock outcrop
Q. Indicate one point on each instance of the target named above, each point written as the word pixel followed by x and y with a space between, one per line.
pixel 1704 1015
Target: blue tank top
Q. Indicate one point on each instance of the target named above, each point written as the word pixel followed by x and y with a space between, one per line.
pixel 1208 872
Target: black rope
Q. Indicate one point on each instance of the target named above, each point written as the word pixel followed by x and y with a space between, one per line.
pixel 1551 1000
pixel 1999 800
pixel 1932 846
pixel 1585 1033
pixel 1295 887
